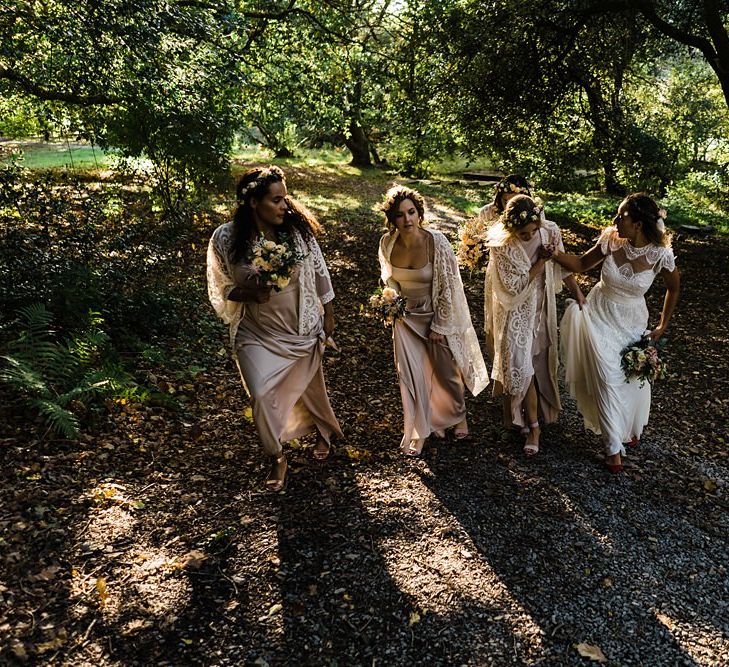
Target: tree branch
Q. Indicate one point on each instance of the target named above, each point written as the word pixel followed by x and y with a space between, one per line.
pixel 33 88
pixel 717 32
pixel 648 9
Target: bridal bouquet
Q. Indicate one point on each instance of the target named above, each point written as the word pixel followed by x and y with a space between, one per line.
pixel 642 360
pixel 388 305
pixel 274 263
pixel 471 250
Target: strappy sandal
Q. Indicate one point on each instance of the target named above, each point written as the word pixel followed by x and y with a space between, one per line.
pixel 321 454
pixel 614 467
pixel 274 484
pixel 460 433
pixel 634 442
pixel 531 449
pixel 414 448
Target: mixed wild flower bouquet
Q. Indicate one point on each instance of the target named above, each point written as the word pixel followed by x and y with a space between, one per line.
pixel 274 263
pixel 471 250
pixel 642 360
pixel 388 305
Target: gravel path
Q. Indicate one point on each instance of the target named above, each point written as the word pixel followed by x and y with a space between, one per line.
pixel 152 543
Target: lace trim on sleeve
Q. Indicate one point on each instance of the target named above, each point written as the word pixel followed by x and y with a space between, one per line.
pixel 554 236
pixel 220 281
pixel 383 254
pixel 609 240
pixel 324 287
pixel 453 317
pixel 667 261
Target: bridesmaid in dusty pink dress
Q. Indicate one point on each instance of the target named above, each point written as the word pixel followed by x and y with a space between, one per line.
pixel 436 349
pixel 278 336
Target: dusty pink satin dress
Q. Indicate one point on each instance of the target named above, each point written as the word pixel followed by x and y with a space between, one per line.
pixel 431 385
pixel 283 371
pixel 549 403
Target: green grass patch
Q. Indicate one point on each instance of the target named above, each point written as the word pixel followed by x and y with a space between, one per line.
pixel 598 210
pixel 304 157
pixel 37 155
pixel 454 166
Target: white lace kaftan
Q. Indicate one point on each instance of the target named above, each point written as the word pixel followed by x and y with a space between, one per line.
pixel 510 308
pixel 452 316
pixel 489 213
pixel 593 339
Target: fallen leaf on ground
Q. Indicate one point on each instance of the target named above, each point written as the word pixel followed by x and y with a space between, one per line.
pixel 192 560
pixel 47 573
pixel 102 591
pixel 592 652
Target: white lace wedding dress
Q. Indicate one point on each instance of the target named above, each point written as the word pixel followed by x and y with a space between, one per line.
pixel 593 338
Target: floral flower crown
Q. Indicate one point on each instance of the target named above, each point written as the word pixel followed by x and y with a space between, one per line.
pixel 507 187
pixel 265 173
pixel 514 219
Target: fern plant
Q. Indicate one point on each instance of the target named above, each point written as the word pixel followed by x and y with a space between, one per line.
pixel 60 379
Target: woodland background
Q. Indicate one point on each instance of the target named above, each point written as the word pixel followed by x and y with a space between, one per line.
pixel 133 528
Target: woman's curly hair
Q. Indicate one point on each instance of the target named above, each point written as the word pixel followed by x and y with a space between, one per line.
pixel 394 197
pixel 520 211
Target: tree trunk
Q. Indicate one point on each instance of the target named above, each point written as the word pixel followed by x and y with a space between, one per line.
pixel 379 162
pixel 612 185
pixel 606 120
pixel 724 81
pixel 359 145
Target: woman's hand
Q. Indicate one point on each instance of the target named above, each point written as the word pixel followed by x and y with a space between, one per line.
pixel 328 319
pixel 571 284
pixel 656 334
pixel 250 291
pixel 262 295
pixel 547 252
pixel 436 337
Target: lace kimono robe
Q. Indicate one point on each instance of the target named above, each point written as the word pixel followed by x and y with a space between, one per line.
pixel 521 319
pixel 431 375
pixel 593 339
pixel 279 344
pixel 489 213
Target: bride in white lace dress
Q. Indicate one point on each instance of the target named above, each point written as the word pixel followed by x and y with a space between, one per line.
pixel 632 253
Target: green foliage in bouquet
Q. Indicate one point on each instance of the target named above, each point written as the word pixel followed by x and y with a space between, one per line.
pixel 642 360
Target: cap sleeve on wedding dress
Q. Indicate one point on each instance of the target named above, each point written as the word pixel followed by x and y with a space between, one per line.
pixel 666 261
pixel 609 240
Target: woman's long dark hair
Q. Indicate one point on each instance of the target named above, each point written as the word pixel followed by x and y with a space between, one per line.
pixel 642 208
pixel 254 184
pixel 503 186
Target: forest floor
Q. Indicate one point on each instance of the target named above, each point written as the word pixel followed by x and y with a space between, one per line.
pixel 151 540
